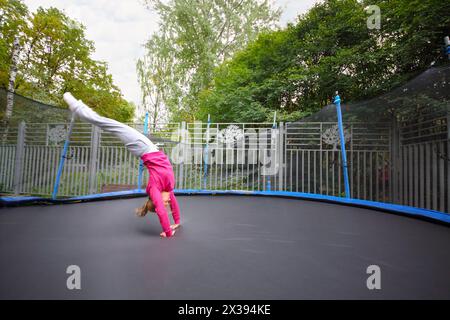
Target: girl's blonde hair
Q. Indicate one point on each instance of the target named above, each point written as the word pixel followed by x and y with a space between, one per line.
pixel 148 206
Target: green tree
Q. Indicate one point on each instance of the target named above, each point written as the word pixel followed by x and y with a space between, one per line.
pixel 196 36
pixel 56 57
pixel 297 70
pixel 154 79
pixel 13 15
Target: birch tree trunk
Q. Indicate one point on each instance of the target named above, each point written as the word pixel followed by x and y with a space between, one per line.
pixel 11 87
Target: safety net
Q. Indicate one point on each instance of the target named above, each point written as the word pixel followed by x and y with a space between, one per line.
pixel 397 146
pixel 397 149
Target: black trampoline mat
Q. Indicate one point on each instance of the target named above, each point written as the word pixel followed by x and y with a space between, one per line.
pixel 229 247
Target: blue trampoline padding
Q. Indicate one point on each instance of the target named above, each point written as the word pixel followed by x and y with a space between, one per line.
pixel 99 196
pixel 135 192
pixel 20 199
pixel 406 210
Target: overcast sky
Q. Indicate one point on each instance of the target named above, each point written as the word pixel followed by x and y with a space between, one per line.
pixel 120 27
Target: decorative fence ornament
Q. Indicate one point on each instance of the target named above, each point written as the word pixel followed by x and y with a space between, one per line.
pixel 230 135
pixel 56 134
pixel 331 136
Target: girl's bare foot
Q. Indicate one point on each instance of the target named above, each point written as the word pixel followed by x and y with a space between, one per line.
pixel 163 234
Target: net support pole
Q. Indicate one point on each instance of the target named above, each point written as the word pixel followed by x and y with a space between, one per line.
pixel 19 163
pixel 63 157
pixel 141 163
pixel 205 161
pixel 337 102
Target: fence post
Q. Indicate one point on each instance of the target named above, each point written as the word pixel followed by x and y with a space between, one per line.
pixel 181 165
pixel 280 157
pixel 205 158
pixel 18 167
pixel 95 139
pixel 395 173
pixel 448 125
pixel 448 161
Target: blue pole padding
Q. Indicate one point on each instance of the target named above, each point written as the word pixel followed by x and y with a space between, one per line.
pixel 141 163
pixel 337 102
pixel 146 124
pixel 205 162
pixel 63 157
pixel 268 184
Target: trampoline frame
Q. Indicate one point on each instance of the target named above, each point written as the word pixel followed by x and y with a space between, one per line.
pixel 430 215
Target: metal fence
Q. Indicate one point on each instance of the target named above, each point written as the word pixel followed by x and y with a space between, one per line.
pixel 390 163
pixel 97 161
pixel 313 159
pixel 422 162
